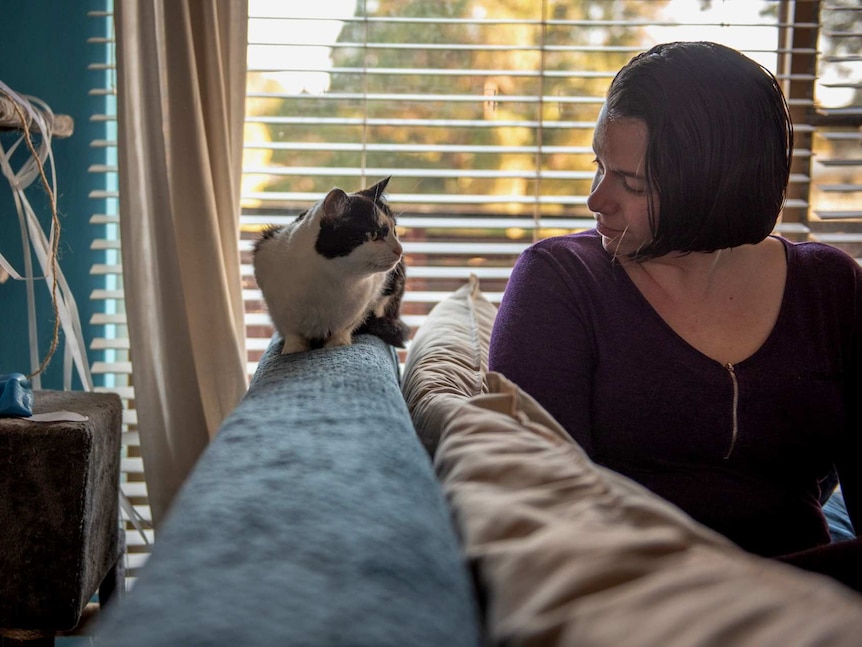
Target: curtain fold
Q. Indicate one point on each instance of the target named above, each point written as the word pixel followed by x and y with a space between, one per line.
pixel 181 89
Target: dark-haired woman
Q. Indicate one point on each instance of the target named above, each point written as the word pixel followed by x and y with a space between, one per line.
pixel 679 342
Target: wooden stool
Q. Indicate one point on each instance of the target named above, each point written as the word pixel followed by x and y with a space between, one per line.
pixel 60 537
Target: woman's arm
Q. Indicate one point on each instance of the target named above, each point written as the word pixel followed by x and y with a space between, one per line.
pixel 541 340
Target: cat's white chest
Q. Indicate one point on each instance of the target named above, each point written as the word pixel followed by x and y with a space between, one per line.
pixel 336 302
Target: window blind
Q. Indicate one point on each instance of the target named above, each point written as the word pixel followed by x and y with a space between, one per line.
pixel 112 366
pixel 482 113
pixel 836 192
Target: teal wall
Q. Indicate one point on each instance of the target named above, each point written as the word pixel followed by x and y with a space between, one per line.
pixel 44 53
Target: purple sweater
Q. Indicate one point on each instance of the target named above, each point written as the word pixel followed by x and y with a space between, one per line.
pixel 575 333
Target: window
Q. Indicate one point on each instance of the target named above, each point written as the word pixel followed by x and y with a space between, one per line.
pixel 112 368
pixel 482 113
pixel 836 209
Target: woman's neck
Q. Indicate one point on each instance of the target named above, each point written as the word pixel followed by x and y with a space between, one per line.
pixel 689 274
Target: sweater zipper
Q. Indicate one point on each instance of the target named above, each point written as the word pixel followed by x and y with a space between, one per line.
pixel 735 420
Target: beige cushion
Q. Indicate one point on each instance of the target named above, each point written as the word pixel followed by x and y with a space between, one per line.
pixel 447 359
pixel 569 553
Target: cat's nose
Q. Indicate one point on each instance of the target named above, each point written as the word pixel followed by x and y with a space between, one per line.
pixel 397 249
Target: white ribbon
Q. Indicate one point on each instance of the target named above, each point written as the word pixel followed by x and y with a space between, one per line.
pixel 41 119
pixel 32 235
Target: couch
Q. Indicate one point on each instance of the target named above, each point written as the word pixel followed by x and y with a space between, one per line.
pixel 313 518
pixel 334 508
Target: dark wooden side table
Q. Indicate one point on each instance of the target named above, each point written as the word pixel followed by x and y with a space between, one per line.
pixel 60 536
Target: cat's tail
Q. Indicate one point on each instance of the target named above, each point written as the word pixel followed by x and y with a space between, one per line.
pixel 393 331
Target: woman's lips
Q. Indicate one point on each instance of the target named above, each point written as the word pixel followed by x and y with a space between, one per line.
pixel 606 231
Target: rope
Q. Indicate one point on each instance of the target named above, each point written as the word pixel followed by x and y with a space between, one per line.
pixel 55 241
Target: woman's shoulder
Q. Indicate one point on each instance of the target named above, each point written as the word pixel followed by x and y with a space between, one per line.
pixel 574 259
pixel 586 244
pixel 569 253
pixel 819 272
pixel 819 257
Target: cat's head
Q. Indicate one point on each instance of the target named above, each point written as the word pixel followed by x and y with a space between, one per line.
pixel 360 226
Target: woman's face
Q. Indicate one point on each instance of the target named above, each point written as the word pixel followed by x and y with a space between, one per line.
pixel 618 198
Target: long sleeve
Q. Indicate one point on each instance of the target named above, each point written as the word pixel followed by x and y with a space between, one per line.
pixel 540 341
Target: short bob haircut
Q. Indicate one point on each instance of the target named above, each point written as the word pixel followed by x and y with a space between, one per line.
pixel 719 145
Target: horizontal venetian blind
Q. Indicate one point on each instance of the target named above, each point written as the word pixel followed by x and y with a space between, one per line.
pixel 482 113
pixel 112 368
pixel 836 196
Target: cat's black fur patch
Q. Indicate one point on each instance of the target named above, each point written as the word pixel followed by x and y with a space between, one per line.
pixel 340 236
pixel 390 328
pixel 268 232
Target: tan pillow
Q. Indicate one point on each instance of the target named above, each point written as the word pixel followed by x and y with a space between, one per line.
pixel 447 359
pixel 569 553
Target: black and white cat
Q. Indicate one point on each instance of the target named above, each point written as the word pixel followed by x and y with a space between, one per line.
pixel 335 271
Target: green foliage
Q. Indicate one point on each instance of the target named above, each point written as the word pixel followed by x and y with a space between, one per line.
pixel 477 73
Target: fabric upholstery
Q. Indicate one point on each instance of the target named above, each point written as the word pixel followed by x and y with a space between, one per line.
pixel 447 359
pixel 569 553
pixel 59 518
pixel 313 518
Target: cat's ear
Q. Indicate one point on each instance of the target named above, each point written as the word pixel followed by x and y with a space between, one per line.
pixel 334 204
pixel 376 191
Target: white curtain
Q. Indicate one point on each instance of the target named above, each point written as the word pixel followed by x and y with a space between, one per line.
pixel 181 97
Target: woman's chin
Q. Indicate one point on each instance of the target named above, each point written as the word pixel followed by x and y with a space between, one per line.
pixel 611 244
pixel 620 244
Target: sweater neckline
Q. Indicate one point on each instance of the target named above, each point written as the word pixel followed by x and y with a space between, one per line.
pixel 790 255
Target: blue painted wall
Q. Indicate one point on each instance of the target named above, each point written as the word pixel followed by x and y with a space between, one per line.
pixel 44 53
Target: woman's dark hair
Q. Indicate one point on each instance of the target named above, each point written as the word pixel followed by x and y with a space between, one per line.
pixel 719 145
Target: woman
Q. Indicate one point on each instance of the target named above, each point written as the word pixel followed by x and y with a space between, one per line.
pixel 679 342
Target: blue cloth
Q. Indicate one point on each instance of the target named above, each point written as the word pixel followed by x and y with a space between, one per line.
pixel 313 518
pixel 16 396
pixel 840 526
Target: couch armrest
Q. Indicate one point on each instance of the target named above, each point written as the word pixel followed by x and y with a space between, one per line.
pixel 313 518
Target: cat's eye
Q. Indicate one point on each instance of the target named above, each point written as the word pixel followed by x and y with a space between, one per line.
pixel 378 234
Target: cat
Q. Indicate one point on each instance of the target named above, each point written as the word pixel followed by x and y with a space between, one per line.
pixel 335 271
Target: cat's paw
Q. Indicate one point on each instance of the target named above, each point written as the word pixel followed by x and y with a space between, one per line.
pixel 339 339
pixel 294 344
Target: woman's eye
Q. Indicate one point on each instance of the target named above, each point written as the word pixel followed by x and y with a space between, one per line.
pixel 600 171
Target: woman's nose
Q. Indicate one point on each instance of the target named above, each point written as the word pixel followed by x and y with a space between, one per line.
pixel 599 200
